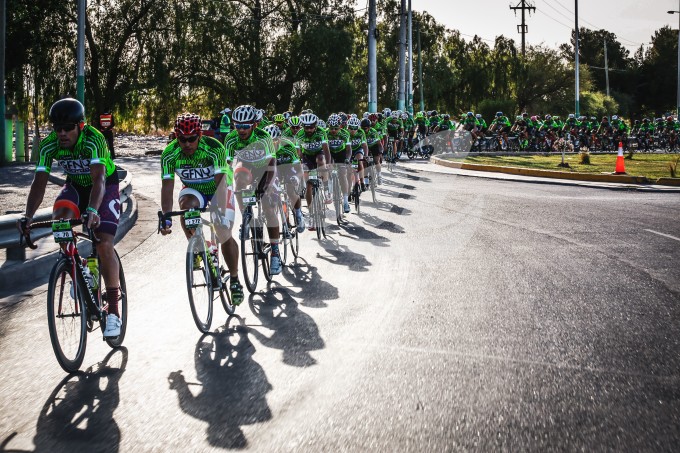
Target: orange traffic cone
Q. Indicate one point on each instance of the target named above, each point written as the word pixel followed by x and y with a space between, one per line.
pixel 620 166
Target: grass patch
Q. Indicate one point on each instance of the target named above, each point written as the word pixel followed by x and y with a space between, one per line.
pixel 652 166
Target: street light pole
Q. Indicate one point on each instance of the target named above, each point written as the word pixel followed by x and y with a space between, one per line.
pixel 677 101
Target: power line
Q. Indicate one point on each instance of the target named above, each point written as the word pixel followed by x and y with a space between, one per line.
pixel 555 20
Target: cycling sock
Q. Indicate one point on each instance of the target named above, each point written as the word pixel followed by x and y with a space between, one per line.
pixel 275 248
pixel 112 299
pixel 298 211
pixel 346 198
pixel 233 279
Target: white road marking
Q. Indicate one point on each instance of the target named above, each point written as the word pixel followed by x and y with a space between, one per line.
pixel 665 235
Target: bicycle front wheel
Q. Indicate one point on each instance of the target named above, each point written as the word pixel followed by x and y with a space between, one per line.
pixel 337 198
pixel 67 316
pixel 286 234
pixel 373 184
pixel 199 283
pixel 122 307
pixel 249 254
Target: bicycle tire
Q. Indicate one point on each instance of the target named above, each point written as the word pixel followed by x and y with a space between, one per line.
pixel 316 203
pixel 265 251
pixel 286 235
pixel 295 241
pixel 373 182
pixel 357 200
pixel 225 297
pixel 198 278
pixel 337 198
pixel 122 306
pixel 60 271
pixel 249 258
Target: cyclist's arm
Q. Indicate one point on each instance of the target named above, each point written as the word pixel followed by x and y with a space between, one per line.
pixel 348 151
pixel 221 191
pixel 167 189
pixel 98 173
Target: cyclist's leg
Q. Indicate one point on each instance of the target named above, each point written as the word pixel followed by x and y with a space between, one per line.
pixel 309 163
pixel 223 219
pixel 109 211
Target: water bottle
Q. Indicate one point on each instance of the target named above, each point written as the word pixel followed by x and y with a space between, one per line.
pixel 93 267
pixel 87 274
pixel 212 249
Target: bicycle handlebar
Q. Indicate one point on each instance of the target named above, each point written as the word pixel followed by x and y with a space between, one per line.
pixel 163 217
pixel 26 236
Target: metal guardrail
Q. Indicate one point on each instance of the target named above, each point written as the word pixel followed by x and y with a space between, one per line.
pixel 9 235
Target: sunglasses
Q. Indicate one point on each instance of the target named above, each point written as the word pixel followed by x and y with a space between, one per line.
pixel 190 139
pixel 353 128
pixel 334 129
pixel 295 127
pixel 242 126
pixel 64 127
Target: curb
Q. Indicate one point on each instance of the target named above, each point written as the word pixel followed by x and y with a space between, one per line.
pixel 38 268
pixel 588 177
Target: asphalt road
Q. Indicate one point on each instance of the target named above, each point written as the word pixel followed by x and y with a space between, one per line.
pixel 457 314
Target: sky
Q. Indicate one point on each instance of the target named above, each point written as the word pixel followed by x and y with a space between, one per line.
pixel 633 21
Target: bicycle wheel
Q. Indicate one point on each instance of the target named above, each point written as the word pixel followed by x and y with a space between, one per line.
pixel 199 283
pixel 286 235
pixel 122 307
pixel 337 198
pixel 373 182
pixel 249 252
pixel 265 249
pixel 357 191
pixel 321 214
pixel 67 316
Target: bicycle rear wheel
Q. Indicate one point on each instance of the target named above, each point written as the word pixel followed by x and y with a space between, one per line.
pixel 357 191
pixel 265 249
pixel 224 293
pixel 249 254
pixel 67 316
pixel 337 198
pixel 199 284
pixel 122 307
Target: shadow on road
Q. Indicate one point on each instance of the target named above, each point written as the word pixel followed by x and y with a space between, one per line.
pixel 312 289
pixel 342 255
pixel 295 332
pixel 78 415
pixel 232 386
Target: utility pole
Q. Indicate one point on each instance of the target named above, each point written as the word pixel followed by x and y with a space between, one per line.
pixel 524 6
pixel 420 72
pixel 402 57
pixel 80 80
pixel 606 67
pixel 372 64
pixel 3 132
pixel 577 109
pixel 410 59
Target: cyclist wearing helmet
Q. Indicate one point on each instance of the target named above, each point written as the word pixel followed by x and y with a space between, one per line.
pixel 341 151
pixel 359 147
pixel 254 158
pixel 91 188
pixel 471 125
pixel 289 170
pixel 313 146
pixel 502 125
pixel 294 126
pixel 280 122
pixel 374 145
pixel 200 162
pixel 225 124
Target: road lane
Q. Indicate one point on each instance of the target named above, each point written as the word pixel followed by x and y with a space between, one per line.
pixel 459 313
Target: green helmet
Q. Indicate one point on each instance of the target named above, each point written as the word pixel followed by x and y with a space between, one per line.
pixel 279 118
pixel 294 121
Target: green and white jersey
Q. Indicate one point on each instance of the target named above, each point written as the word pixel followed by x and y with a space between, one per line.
pixel 356 140
pixel 198 170
pixel 257 150
pixel 338 143
pixel 373 137
pixel 90 149
pixel 394 126
pixel 313 144
pixel 286 152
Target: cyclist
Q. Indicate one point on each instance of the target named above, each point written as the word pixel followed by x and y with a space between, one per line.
pixel 502 125
pixel 91 188
pixel 340 148
pixel 255 159
pixel 293 128
pixel 313 145
pixel 646 133
pixel 359 148
pixel 373 144
pixel 201 164
pixel 289 170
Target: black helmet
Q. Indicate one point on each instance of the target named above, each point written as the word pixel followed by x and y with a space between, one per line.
pixel 365 123
pixel 67 111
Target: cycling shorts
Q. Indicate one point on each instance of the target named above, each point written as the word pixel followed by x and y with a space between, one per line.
pixel 76 199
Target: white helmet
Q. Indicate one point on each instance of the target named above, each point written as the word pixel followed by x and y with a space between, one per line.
pixel 273 130
pixel 395 114
pixel 365 115
pixel 259 114
pixel 244 114
pixel 321 124
pixel 387 111
pixel 334 120
pixel 308 119
pixel 353 122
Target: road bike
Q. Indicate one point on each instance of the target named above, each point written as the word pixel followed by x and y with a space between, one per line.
pixel 372 176
pixel 318 207
pixel 289 234
pixel 255 246
pixel 336 194
pixel 355 192
pixel 204 273
pixel 76 304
